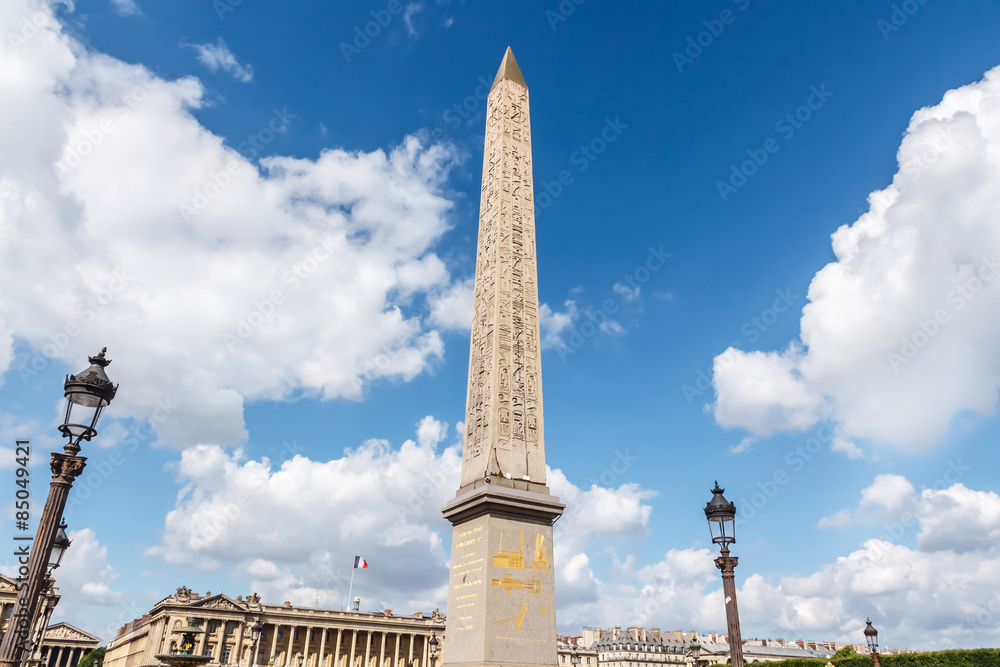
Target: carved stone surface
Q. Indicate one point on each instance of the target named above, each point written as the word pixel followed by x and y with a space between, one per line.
pixel 220 602
pixel 504 437
pixel 501 594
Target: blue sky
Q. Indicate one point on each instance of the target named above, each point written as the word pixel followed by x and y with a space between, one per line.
pixel 273 222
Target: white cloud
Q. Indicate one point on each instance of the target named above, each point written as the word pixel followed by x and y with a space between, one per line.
pixel 762 392
pixel 218 56
pixel 628 293
pixel 560 332
pixel 958 519
pixel 376 501
pixel 948 518
pixel 840 519
pixel 887 499
pixel 210 279
pixel 412 10
pixel 554 323
pixel 744 445
pixel 901 333
pixel 126 7
pixel 453 308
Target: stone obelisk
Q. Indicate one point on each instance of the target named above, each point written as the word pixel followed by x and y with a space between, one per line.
pixel 501 602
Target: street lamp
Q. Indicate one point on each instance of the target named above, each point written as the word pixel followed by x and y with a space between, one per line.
pixel 871 636
pixel 255 631
pixel 721 515
pixel 87 394
pixel 574 658
pixel 433 643
pixel 695 650
pixel 59 546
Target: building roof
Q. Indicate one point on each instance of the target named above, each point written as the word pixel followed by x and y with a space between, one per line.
pixel 766 651
pixel 626 641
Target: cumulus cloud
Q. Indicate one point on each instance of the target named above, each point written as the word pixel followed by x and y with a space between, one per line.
pixel 958 519
pixel 218 57
pixel 902 332
pixel 453 308
pixel 376 500
pixel 949 516
pixel 211 279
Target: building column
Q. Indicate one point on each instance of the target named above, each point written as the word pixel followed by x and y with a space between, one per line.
pixel 154 642
pixel 274 641
pixel 322 648
pixel 368 649
pixel 395 659
pixel 426 660
pixel 354 643
pixel 305 648
pixel 220 634
pixel 58 656
pixel 336 651
pixel 413 638
pixel 288 652
pixel 200 648
pixel 381 652
pixel 238 645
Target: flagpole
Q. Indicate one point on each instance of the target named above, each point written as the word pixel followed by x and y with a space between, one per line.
pixel 351 589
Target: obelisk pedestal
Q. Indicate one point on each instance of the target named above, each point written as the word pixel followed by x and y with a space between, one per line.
pixel 501 595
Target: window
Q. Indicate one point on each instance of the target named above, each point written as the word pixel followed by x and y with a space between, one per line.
pixel 230 627
pixel 209 649
pixel 226 651
pixel 588 659
pixel 564 659
pixel 212 627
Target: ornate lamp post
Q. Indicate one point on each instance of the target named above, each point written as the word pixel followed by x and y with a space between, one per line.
pixel 255 631
pixel 721 516
pixel 433 644
pixel 695 651
pixel 87 394
pixel 871 636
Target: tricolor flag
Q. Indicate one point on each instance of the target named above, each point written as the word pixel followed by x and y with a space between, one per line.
pixel 360 562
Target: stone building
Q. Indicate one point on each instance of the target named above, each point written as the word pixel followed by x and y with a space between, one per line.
pixel 636 647
pixel 292 636
pixel 715 650
pixel 61 645
pixel 565 646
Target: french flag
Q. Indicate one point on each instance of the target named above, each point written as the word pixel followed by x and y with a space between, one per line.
pixel 360 562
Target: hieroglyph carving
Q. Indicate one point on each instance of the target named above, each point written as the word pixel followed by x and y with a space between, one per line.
pixel 504 424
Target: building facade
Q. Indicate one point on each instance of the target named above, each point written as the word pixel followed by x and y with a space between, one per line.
pixel 570 647
pixel 291 636
pixel 636 647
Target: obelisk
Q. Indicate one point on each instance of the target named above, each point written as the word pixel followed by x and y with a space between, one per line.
pixel 501 601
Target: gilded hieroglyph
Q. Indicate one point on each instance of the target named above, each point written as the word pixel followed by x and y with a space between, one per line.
pixel 504 426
